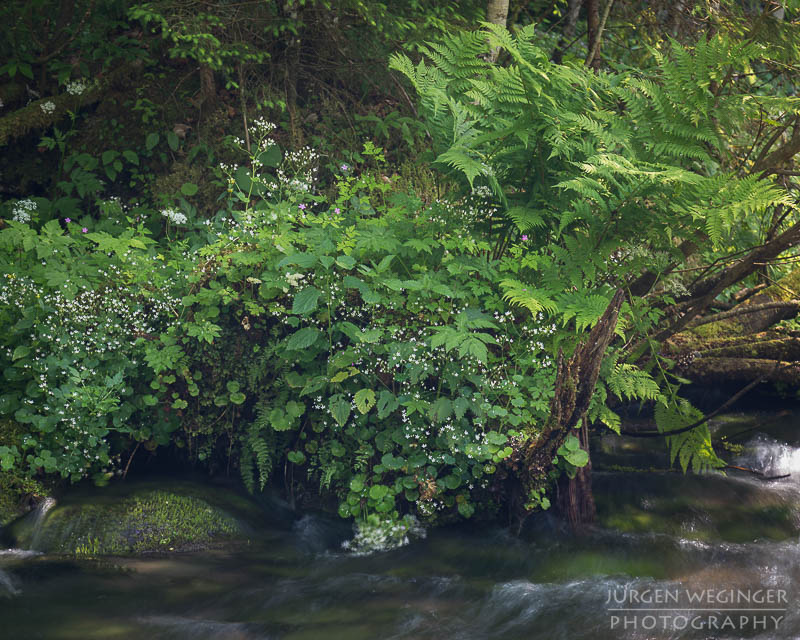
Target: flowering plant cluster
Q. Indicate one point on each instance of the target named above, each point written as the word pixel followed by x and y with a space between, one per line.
pixel 360 345
pixel 77 311
pixel 357 343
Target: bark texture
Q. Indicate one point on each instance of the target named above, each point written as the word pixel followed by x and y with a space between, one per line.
pixel 739 345
pixel 496 13
pixel 575 382
pixel 575 497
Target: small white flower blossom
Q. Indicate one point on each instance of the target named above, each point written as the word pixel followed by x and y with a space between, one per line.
pixel 48 107
pixel 76 87
pixel 295 278
pixel 21 212
pixel 375 534
pixel 262 127
pixel 175 217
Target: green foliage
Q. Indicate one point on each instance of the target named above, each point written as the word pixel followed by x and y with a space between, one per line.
pixel 690 448
pixel 302 317
pixel 394 368
pixel 592 179
pixel 79 311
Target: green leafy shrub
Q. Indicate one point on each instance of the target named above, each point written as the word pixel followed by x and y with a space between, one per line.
pixel 77 310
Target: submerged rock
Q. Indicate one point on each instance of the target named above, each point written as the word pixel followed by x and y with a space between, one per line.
pixel 138 519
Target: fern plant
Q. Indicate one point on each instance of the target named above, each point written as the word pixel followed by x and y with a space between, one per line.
pixel 597 178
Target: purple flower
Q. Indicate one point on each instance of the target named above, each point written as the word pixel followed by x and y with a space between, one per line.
pixel 524 238
pixel 67 220
pixel 345 167
pixel 302 206
pixel 84 230
pixel 337 210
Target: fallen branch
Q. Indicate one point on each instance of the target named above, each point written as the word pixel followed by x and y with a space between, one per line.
pixel 738 311
pixel 698 423
pixel 757 472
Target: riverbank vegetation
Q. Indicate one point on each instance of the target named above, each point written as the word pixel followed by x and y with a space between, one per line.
pixel 392 259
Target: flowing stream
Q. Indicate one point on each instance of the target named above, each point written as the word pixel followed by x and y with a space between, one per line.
pixel 673 557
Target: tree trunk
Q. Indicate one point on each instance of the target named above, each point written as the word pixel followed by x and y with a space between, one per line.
pixel 496 13
pixel 208 86
pixel 573 10
pixel 575 382
pixel 575 498
pixel 593 31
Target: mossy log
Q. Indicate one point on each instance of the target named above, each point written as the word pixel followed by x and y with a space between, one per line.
pixel 710 371
pixel 777 302
pixel 33 117
pixel 738 345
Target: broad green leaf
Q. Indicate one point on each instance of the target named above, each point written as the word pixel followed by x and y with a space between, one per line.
pixel 303 338
pixel 378 491
pixel 365 400
pixel 189 188
pixel 305 301
pixel 340 410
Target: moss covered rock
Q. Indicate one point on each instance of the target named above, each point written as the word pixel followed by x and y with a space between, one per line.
pixel 144 519
pixel 18 493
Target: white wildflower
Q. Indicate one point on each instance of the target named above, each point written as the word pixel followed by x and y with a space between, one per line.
pixel 374 534
pixel 21 211
pixel 175 217
pixel 262 127
pixel 295 278
pixel 48 107
pixel 76 87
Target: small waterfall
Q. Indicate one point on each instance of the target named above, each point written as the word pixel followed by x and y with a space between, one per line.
pixel 771 457
pixel 37 519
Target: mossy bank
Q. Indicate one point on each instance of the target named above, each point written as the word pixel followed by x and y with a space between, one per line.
pixel 142 518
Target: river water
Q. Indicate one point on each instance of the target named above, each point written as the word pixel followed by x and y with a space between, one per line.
pixel 673 557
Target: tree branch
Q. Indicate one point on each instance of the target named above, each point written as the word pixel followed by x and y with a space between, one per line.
pixel 741 310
